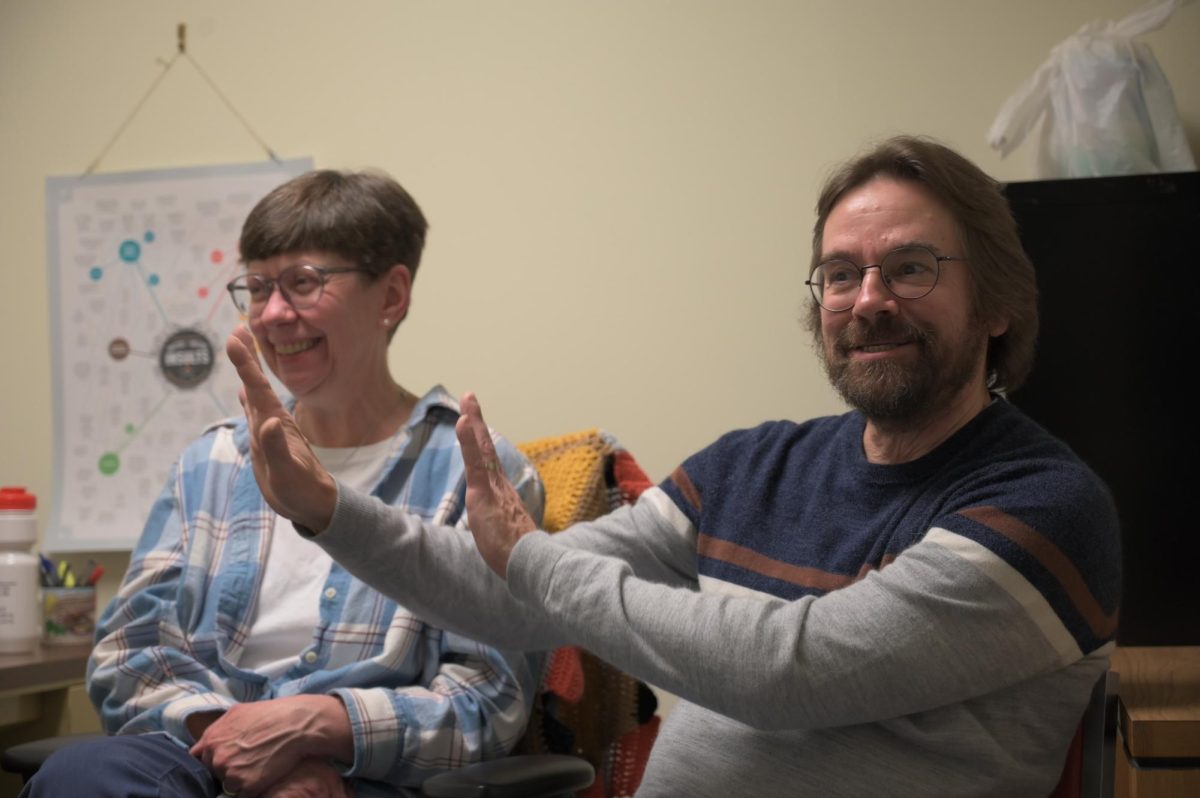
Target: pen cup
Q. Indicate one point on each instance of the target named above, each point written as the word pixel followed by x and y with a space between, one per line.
pixel 69 615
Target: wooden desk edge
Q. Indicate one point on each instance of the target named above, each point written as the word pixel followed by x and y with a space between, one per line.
pixel 1160 700
pixel 47 668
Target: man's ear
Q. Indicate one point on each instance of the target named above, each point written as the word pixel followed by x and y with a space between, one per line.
pixel 998 327
pixel 397 294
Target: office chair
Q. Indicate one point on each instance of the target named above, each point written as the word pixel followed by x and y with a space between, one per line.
pixel 1090 767
pixel 588 708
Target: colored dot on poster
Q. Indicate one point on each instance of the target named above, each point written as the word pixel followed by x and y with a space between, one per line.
pixel 95 272
pixel 118 349
pixel 109 463
pixel 149 237
pixel 130 429
pixel 217 256
pixel 202 292
pixel 130 250
pixel 152 279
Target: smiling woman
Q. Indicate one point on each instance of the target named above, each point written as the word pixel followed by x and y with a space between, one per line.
pixel 270 669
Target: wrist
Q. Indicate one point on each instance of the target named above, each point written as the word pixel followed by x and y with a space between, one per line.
pixel 330 735
pixel 319 515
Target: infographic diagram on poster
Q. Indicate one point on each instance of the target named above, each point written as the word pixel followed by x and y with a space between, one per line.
pixel 138 263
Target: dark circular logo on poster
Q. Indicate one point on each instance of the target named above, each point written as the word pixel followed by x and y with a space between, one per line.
pixel 186 359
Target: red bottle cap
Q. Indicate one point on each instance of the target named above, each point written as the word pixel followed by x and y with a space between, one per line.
pixel 17 499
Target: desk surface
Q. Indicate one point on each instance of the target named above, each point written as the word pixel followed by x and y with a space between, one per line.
pixel 1160 700
pixel 46 667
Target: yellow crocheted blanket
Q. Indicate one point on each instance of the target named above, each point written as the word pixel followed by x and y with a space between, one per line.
pixel 572 471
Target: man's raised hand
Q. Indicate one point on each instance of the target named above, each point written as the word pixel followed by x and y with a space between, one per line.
pixel 494 510
pixel 289 475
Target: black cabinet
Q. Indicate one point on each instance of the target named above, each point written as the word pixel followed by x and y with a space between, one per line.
pixel 1118 267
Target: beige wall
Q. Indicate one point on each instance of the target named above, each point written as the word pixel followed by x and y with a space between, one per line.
pixel 620 191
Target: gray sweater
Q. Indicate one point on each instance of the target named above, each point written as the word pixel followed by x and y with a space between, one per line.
pixel 953 657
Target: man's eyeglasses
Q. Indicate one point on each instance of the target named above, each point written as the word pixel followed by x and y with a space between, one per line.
pixel 301 287
pixel 908 272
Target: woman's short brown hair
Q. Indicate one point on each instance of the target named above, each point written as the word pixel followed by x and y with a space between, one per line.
pixel 366 218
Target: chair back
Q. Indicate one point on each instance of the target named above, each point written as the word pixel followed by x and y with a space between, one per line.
pixel 589 708
pixel 1090 768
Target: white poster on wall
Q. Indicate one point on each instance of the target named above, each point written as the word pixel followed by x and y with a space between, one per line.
pixel 138 263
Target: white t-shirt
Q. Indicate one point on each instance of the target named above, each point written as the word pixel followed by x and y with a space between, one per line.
pixel 296 571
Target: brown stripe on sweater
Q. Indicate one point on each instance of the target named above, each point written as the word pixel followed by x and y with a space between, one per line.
pixel 868 567
pixel 684 483
pixel 742 557
pixel 1053 560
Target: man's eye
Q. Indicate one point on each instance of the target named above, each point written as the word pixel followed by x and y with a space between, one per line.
pixel 839 276
pixel 911 270
pixel 258 289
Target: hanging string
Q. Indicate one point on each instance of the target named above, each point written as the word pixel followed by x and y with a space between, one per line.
pixel 181 50
pixel 270 153
pixel 166 68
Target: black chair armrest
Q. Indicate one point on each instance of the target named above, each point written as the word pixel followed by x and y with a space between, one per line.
pixel 26 758
pixel 540 776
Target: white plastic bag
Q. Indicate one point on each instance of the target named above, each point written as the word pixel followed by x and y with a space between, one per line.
pixel 1106 107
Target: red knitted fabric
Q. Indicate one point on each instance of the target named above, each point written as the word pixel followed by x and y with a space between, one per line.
pixel 564 674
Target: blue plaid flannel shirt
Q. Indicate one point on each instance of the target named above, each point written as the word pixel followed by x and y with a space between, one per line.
pixel 421 700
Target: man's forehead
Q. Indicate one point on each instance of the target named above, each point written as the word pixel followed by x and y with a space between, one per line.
pixel 884 192
pixel 892 212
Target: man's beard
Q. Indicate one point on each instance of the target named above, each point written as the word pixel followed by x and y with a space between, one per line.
pixel 889 392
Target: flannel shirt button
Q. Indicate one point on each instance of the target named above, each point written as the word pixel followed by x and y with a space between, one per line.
pixel 330 592
pixel 310 657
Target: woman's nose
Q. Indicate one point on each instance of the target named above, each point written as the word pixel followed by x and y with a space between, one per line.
pixel 277 310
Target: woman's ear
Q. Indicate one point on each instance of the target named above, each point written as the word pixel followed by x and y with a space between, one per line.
pixel 397 294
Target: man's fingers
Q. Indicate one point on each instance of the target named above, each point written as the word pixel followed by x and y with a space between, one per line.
pixel 479 453
pixel 240 349
pixel 472 457
pixel 239 346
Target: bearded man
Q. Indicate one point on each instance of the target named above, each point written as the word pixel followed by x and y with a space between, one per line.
pixel 912 598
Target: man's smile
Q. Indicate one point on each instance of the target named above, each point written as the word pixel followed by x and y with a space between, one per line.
pixel 881 347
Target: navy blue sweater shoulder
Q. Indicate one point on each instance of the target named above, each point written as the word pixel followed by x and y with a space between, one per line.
pixel 795 509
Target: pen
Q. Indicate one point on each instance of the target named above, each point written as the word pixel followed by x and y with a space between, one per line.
pixel 49 579
pixel 94 576
pixel 66 576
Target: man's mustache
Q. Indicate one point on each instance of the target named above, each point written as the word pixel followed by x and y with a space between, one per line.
pixel 884 331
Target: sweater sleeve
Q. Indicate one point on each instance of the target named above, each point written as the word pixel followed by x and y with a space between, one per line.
pixel 439 574
pixel 962 613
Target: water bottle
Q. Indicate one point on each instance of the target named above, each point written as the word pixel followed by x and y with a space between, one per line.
pixel 20 614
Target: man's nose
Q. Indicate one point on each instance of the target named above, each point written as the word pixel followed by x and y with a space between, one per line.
pixel 874 298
